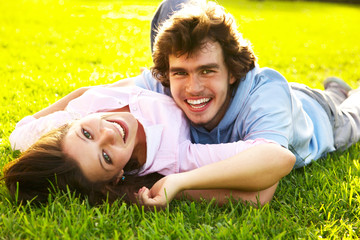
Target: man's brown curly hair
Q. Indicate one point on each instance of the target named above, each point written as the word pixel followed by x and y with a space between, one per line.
pixel 189 29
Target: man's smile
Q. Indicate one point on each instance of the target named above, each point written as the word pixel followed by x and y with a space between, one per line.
pixel 198 103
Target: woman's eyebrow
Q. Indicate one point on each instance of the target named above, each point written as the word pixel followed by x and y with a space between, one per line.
pixel 77 134
pixel 102 165
pixel 99 156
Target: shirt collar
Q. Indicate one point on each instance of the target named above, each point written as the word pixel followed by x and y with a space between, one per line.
pixel 153 139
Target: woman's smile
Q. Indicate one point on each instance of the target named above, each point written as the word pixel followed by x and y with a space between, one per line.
pixel 121 127
pixel 103 143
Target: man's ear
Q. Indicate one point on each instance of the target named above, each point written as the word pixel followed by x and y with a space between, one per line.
pixel 232 79
pixel 118 177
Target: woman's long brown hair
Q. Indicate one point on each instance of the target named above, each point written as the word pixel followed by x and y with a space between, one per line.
pixel 44 168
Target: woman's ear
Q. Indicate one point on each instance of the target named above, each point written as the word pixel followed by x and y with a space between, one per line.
pixel 119 177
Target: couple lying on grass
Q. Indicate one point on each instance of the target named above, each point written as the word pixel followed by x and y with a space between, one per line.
pixel 206 121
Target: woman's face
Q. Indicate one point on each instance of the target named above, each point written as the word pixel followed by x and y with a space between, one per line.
pixel 103 143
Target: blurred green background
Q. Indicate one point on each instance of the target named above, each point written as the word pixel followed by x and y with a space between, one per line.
pixel 51 47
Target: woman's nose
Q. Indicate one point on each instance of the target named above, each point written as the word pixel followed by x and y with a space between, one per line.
pixel 107 136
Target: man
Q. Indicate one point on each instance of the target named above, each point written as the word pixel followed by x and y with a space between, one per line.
pixel 202 61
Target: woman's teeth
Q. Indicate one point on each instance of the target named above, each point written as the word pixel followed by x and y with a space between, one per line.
pixel 121 129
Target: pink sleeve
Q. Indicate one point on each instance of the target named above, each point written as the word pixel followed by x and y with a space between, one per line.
pixel 30 129
pixel 197 155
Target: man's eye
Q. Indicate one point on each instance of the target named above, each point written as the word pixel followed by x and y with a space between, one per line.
pixel 207 71
pixel 179 73
pixel 106 157
pixel 86 133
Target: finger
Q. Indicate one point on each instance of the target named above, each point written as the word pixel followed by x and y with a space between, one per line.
pixel 150 201
pixel 138 196
pixel 145 196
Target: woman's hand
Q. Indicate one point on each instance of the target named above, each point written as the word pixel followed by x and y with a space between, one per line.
pixel 161 193
pixel 253 170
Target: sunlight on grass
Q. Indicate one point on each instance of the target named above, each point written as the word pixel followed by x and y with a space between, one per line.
pixel 306 42
pixel 50 48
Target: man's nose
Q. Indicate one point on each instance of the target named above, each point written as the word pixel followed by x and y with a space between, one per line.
pixel 193 84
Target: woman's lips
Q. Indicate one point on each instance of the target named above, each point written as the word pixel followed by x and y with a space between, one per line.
pixel 121 128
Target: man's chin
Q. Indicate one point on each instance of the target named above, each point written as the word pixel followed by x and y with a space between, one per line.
pixel 200 119
pixel 198 123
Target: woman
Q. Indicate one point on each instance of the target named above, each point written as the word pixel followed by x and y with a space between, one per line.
pixel 128 132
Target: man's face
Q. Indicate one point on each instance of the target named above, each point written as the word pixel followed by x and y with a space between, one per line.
pixel 200 84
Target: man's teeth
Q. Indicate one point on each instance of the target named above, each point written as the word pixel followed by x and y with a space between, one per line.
pixel 198 101
pixel 202 101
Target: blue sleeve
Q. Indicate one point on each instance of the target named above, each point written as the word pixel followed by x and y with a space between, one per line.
pixel 147 81
pixel 268 110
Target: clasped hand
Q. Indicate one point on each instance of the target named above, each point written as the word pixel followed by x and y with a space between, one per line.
pixel 161 193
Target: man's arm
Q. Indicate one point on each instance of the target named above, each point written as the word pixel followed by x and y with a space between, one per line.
pixel 222 196
pixel 255 169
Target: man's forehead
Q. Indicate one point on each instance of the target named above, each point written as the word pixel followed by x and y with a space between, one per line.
pixel 205 56
pixel 206 45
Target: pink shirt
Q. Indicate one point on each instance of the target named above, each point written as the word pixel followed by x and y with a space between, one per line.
pixel 169 149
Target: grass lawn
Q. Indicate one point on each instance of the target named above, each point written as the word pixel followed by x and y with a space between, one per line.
pixel 51 47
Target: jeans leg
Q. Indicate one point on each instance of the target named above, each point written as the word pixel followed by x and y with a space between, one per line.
pixel 349 132
pixel 337 89
pixel 164 11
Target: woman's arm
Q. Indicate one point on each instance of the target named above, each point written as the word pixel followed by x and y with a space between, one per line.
pixel 61 104
pixel 255 169
pixel 31 128
pixel 127 82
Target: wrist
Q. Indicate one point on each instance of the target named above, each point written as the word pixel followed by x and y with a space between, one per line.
pixel 181 181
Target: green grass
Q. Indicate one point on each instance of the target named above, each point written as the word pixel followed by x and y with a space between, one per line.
pixel 49 48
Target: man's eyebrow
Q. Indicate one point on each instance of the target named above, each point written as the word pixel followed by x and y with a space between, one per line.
pixel 177 69
pixel 210 65
pixel 205 66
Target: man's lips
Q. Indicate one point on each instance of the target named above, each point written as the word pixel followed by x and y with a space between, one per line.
pixel 198 103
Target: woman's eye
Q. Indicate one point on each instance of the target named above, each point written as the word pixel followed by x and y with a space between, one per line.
pixel 106 157
pixel 86 133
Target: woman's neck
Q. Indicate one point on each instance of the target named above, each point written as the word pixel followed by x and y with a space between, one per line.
pixel 140 148
pixel 123 109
